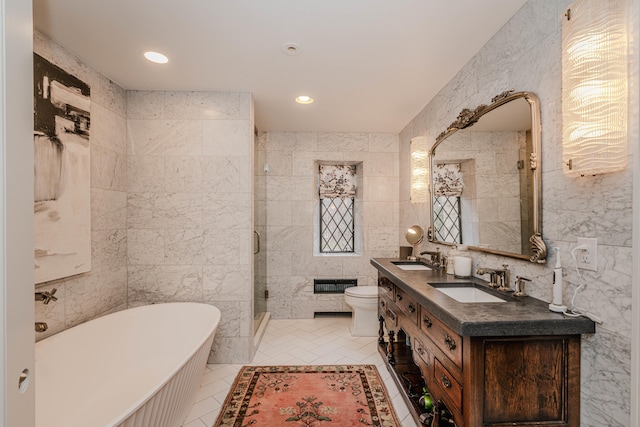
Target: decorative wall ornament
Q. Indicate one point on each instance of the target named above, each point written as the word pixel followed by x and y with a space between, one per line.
pixel 419 170
pixel 62 229
pixel 337 181
pixel 538 249
pixel 594 87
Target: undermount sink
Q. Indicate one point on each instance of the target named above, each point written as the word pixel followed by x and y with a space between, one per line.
pixel 410 265
pixel 466 292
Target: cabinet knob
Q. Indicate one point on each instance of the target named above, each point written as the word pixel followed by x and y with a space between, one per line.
pixel 399 297
pixel 427 322
pixel 411 308
pixel 421 351
pixel 446 382
pixel 382 304
pixel 450 342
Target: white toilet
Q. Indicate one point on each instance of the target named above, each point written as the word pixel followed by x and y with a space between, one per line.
pixel 364 301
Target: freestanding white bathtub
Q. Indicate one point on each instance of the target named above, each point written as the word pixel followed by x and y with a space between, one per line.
pixel 135 368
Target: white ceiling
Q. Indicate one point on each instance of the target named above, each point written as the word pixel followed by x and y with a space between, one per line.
pixel 370 65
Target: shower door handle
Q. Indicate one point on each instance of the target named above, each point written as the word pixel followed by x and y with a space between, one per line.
pixel 257 251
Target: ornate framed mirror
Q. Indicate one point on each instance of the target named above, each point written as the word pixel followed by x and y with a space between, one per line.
pixel 485 179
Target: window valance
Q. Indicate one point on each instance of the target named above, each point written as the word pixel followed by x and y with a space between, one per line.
pixel 337 181
pixel 447 179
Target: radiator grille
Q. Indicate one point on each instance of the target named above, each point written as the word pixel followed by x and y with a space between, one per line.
pixel 332 286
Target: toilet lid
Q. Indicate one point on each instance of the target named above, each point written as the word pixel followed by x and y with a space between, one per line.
pixel 362 291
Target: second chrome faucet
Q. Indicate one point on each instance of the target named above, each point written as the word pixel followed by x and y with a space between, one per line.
pixel 497 278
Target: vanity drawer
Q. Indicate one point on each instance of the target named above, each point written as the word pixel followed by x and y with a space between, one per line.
pixel 385 287
pixel 388 310
pixel 422 351
pixel 407 304
pixel 384 304
pixel 448 384
pixel 448 341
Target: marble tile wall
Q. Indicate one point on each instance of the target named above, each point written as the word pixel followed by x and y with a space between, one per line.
pixel 190 207
pixel 104 289
pixel 290 202
pixel 526 55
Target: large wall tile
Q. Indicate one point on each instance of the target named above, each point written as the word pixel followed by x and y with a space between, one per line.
pixel 226 174
pixel 108 129
pixel 173 210
pixel 202 105
pixel 383 142
pixel 108 169
pixel 108 209
pixel 145 104
pixel 157 284
pixel 145 174
pixel 226 138
pixel 164 137
pixel 108 250
pixel 292 141
pixel 333 141
pixel 145 246
pixel 184 246
pixel 183 174
pixel 227 211
pixel 221 285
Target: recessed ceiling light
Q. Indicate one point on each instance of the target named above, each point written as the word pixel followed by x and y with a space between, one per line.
pixel 156 57
pixel 304 99
pixel 291 49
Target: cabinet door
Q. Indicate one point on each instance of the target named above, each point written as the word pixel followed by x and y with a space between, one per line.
pixel 529 380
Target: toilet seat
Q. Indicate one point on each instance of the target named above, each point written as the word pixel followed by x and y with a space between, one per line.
pixel 362 292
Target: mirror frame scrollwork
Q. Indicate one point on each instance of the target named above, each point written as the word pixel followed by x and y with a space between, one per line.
pixel 467 118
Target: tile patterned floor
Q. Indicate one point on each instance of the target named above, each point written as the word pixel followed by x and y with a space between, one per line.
pixel 322 341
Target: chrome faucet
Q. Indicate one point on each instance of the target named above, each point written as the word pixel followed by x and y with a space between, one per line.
pixel 492 275
pixel 46 296
pixel 435 256
pixel 497 278
pixel 41 326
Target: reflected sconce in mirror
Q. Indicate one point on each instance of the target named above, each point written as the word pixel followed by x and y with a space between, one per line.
pixel 419 170
pixel 594 87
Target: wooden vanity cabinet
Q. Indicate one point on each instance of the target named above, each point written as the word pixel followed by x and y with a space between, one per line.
pixel 485 381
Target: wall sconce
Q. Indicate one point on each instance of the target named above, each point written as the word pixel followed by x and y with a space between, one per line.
pixel 594 87
pixel 419 170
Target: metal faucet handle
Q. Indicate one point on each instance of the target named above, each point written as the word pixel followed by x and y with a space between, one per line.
pixel 503 274
pixel 46 296
pixel 520 291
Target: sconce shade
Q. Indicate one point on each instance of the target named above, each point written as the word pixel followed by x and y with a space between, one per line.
pixel 419 170
pixel 594 87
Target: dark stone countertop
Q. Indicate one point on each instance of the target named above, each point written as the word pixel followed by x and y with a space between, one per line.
pixel 516 317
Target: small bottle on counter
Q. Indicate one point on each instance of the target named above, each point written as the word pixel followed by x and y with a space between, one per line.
pixel 450 259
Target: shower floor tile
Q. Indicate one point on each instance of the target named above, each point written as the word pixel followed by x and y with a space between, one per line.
pixel 321 341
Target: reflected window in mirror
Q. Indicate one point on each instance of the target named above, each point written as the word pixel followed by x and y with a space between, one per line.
pixel 448 189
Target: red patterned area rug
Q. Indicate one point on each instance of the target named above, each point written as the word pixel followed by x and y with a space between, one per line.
pixel 308 396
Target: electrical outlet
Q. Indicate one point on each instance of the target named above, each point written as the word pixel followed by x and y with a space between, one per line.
pixel 587 258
